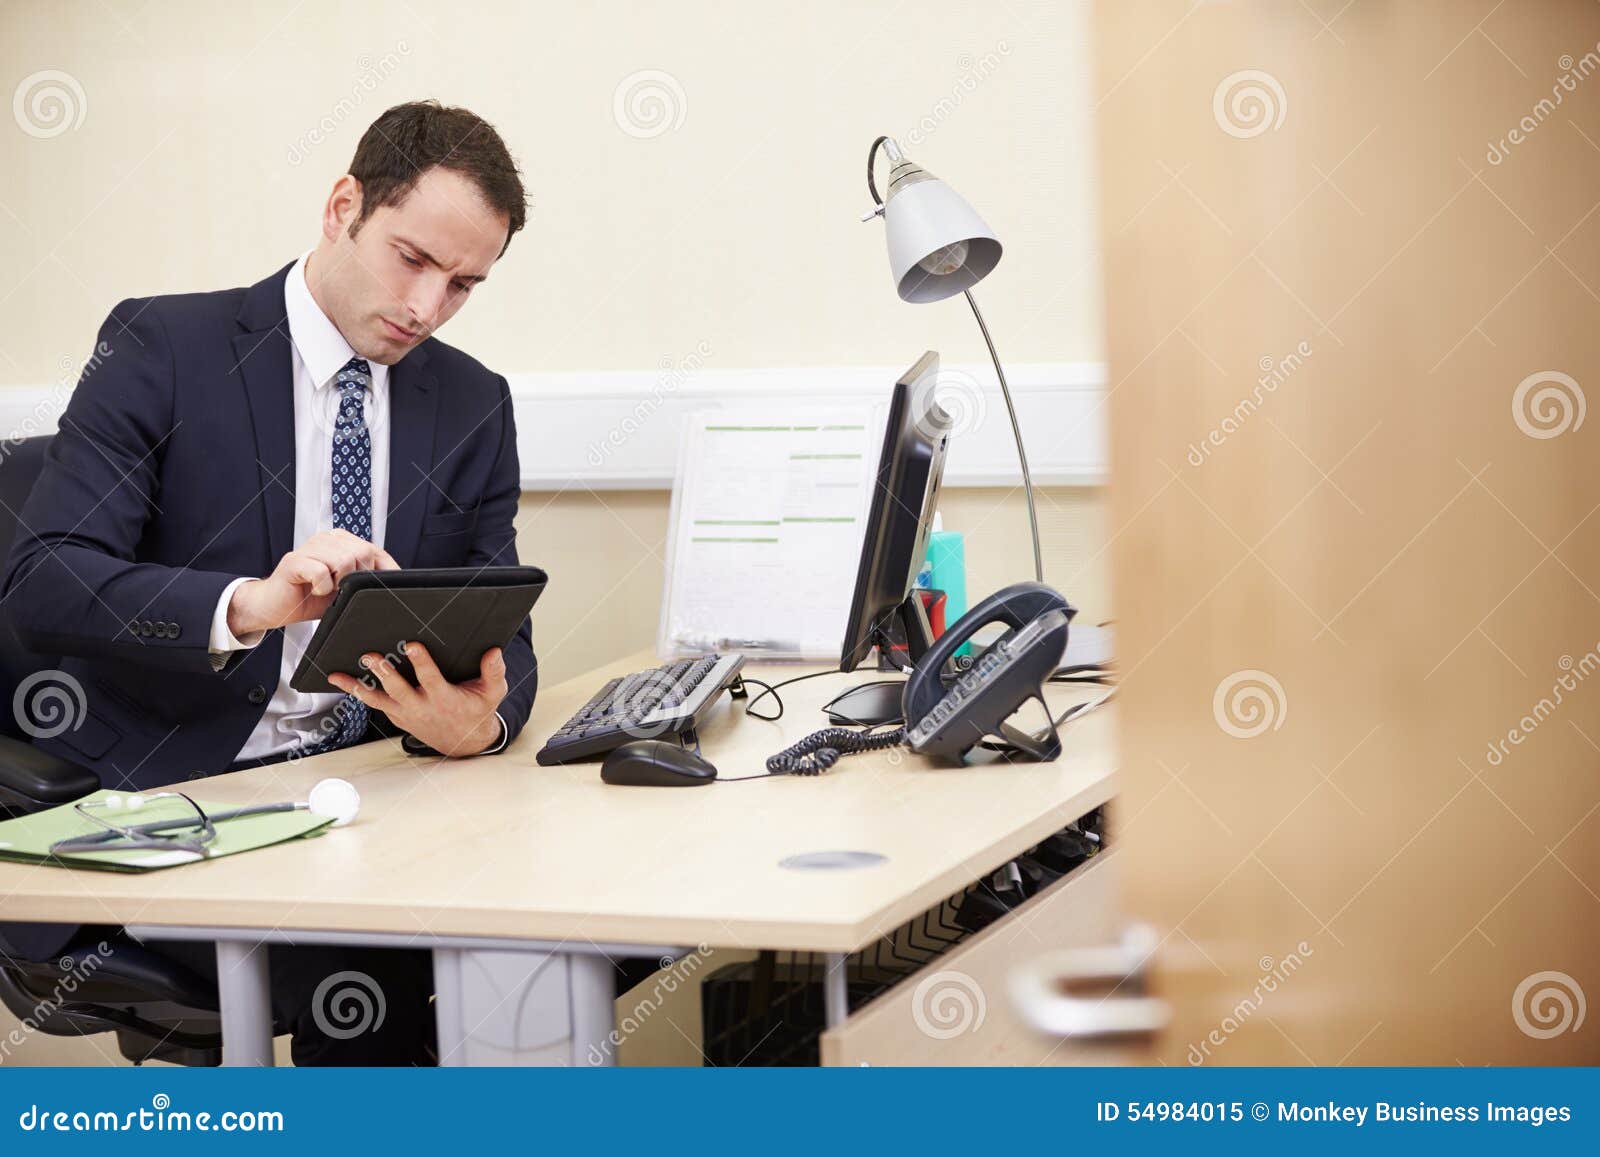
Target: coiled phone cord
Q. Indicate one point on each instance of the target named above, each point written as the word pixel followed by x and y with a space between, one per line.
pixel 820 750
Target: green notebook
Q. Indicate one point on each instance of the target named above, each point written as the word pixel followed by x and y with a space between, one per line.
pixel 27 839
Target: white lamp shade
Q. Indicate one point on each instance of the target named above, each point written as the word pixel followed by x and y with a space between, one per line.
pixel 924 217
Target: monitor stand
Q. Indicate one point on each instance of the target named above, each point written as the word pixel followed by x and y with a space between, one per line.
pixel 901 639
pixel 868 705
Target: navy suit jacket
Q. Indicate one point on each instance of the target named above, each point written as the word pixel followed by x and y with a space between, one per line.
pixel 173 473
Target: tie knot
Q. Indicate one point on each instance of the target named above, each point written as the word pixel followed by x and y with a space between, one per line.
pixel 354 375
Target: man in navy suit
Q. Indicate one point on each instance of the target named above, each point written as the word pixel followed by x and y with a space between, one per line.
pixel 231 458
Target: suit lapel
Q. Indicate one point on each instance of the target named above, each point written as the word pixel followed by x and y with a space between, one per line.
pixel 413 402
pixel 262 359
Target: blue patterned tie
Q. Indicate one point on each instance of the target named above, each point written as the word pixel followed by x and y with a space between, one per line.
pixel 352 511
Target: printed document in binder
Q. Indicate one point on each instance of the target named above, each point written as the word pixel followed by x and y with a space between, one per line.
pixel 768 511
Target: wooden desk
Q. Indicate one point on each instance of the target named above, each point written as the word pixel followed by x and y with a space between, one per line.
pixel 527 878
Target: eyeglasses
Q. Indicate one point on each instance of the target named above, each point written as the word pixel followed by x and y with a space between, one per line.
pixel 166 821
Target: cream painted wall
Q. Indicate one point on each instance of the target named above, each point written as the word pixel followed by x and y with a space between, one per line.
pixel 209 136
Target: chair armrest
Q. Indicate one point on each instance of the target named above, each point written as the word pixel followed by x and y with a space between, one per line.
pixel 32 780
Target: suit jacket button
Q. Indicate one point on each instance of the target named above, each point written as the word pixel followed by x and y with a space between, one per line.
pixel 146 628
pixel 258 695
pixel 173 629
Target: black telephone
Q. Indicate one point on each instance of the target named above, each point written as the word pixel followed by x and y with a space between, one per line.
pixel 950 720
pixel 947 716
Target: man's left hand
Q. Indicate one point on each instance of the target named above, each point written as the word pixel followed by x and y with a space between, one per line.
pixel 454 719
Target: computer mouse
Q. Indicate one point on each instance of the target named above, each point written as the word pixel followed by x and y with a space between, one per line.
pixel 656 763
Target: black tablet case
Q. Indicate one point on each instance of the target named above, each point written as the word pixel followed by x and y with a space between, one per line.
pixel 458 613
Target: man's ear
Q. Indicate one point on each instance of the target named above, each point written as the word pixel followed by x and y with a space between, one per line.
pixel 343 209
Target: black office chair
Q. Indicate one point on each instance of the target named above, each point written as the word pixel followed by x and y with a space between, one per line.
pixel 159 1009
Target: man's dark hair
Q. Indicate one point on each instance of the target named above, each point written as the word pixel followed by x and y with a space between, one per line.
pixel 410 139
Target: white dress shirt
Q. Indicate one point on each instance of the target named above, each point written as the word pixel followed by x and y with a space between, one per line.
pixel 319 353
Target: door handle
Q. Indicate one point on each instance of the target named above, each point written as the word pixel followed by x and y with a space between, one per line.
pixel 1095 993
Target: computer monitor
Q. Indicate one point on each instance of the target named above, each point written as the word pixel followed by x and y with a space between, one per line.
pixel 884 610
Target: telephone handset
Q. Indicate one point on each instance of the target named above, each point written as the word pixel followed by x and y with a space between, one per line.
pixel 950 720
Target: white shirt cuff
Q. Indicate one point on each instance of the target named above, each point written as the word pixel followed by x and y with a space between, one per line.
pixel 222 639
pixel 505 733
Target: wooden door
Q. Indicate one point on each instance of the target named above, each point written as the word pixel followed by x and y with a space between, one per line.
pixel 1352 268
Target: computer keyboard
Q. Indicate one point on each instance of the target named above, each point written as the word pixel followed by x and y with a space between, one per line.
pixel 665 700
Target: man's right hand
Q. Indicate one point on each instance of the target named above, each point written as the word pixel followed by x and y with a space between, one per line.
pixel 303 583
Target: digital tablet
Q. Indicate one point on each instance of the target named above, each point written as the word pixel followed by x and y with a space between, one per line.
pixel 458 613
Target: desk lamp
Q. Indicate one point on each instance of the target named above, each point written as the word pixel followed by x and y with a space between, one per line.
pixel 939 247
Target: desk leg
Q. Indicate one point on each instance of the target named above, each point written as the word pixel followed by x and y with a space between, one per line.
pixel 593 983
pixel 508 1007
pixel 245 991
pixel 835 990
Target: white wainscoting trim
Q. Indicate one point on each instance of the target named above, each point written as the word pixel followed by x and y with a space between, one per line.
pixel 619 430
pixel 616 431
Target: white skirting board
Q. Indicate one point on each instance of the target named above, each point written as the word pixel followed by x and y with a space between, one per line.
pixel 619 430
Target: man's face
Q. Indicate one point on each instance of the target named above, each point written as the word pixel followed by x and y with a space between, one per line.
pixel 409 267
